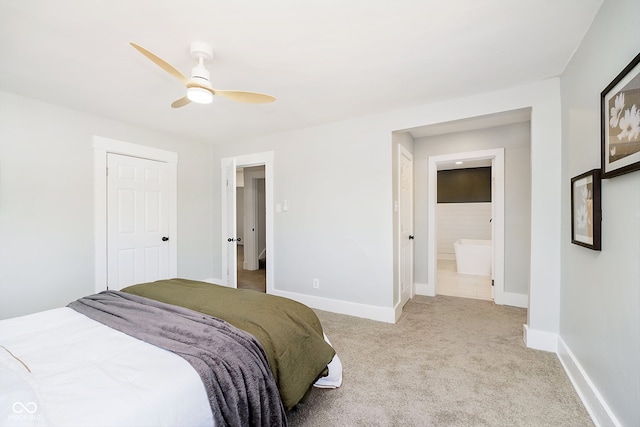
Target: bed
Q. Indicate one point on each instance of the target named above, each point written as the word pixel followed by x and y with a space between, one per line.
pixel 171 352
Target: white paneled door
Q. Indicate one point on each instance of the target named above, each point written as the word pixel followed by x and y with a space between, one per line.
pixel 138 192
pixel 406 225
pixel 230 243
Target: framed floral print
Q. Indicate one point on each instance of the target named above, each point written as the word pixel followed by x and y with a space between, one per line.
pixel 620 110
pixel 586 213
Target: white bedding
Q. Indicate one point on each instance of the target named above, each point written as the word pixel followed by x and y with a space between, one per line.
pixel 84 373
pixel 334 377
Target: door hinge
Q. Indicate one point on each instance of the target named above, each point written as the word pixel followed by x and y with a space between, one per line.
pixel 493 282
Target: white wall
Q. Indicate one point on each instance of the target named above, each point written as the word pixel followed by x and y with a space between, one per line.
pixel 600 300
pixel 46 202
pixel 324 234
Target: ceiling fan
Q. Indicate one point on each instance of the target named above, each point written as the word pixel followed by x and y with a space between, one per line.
pixel 199 88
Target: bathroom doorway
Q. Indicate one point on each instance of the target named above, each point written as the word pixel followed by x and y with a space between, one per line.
pixel 464 229
pixel 496 159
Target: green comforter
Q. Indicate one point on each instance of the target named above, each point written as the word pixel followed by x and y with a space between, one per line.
pixel 289 332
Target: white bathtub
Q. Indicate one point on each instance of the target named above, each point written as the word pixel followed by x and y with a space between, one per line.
pixel 473 256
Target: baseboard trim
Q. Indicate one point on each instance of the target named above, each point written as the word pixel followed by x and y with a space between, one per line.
pixel 598 409
pixel 540 340
pixel 513 299
pixel 424 289
pixel 381 314
pixel 507 298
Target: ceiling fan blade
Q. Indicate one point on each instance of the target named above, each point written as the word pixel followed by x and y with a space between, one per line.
pixel 180 102
pixel 241 96
pixel 160 62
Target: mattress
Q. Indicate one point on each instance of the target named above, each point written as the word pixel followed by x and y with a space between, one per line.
pixel 58 367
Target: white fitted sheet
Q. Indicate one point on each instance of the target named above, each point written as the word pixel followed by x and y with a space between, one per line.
pixel 84 373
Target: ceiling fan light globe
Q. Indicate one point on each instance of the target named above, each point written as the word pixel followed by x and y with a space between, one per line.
pixel 199 95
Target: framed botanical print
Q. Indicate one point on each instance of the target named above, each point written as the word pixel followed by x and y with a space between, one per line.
pixel 620 110
pixel 586 213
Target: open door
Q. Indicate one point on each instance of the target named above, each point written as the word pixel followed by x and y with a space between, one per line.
pixel 406 224
pixel 230 241
pixel 493 229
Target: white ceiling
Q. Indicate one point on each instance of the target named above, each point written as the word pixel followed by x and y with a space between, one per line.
pixel 324 60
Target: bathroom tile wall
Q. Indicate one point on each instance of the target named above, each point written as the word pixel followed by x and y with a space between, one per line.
pixel 461 221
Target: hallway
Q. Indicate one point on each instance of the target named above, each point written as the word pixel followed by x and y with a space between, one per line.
pixel 251 279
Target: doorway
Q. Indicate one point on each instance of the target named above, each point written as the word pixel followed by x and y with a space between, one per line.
pixel 464 215
pixel 496 157
pixel 230 246
pixel 250 228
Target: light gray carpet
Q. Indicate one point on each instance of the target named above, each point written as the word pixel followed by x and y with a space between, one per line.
pixel 447 362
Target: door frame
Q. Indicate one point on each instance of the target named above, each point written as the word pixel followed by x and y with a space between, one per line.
pixel 257 159
pixel 252 218
pixel 497 159
pixel 101 147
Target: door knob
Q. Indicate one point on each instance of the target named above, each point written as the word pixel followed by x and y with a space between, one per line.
pixel 411 237
pixel 165 238
pixel 231 239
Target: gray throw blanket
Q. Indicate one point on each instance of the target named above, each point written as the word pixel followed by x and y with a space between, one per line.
pixel 231 362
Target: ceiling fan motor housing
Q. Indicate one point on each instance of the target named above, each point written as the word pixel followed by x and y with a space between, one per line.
pixel 200 75
pixel 201 50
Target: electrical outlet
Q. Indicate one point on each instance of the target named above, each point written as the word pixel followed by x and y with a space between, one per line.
pixel 316 283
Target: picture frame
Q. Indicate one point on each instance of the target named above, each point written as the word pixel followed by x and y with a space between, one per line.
pixel 620 127
pixel 586 210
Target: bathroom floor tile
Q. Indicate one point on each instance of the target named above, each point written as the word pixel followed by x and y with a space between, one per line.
pixel 452 283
